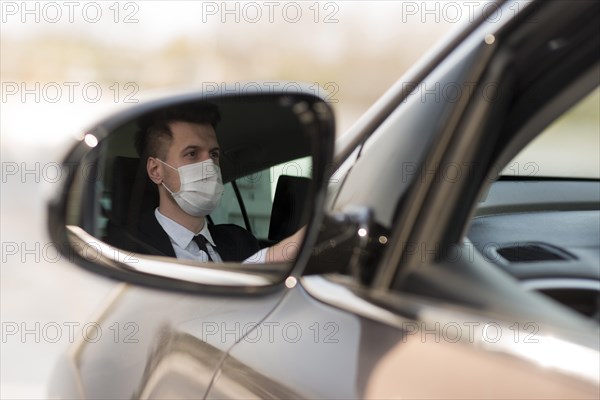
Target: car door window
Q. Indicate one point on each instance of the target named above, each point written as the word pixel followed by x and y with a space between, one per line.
pixel 568 148
pixel 257 194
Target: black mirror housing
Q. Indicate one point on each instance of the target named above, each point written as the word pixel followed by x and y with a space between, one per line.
pixel 350 243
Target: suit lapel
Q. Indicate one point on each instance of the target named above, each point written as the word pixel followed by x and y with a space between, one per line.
pixel 232 244
pixel 154 235
pixel 225 247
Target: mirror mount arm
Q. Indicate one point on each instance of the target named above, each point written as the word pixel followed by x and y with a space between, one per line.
pixel 347 243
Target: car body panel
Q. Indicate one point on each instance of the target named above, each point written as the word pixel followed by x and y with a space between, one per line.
pixel 145 336
pixel 369 352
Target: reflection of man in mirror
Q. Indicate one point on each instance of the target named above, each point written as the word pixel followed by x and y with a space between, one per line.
pixel 180 149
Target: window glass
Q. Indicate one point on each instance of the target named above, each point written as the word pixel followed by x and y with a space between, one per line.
pixel 567 148
pixel 257 191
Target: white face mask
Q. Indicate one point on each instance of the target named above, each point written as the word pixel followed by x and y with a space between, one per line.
pixel 201 187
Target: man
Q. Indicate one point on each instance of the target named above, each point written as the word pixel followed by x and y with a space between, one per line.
pixel 180 149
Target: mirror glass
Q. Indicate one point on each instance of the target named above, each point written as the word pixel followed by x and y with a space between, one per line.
pixel 211 191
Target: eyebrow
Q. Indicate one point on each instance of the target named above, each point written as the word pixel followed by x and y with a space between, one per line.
pixel 194 147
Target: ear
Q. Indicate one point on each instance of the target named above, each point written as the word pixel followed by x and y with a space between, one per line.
pixel 154 170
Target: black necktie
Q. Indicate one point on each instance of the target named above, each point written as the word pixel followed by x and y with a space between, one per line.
pixel 201 242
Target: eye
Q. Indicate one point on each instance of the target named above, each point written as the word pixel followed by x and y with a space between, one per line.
pixel 215 155
pixel 191 153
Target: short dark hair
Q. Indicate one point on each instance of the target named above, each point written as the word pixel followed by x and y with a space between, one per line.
pixel 154 127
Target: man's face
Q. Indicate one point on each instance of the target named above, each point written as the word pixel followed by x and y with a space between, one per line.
pixel 191 143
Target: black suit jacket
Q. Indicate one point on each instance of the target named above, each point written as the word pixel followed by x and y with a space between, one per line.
pixel 234 243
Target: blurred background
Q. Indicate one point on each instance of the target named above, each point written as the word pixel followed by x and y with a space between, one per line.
pixel 65 65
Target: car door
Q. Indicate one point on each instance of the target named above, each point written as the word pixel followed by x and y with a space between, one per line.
pixel 416 311
pixel 164 335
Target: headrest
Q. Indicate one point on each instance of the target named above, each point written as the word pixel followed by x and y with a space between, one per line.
pixel 289 211
pixel 133 193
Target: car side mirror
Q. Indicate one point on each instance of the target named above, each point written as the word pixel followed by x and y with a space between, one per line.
pixel 263 139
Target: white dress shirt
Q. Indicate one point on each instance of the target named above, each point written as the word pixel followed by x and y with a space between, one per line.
pixel 185 247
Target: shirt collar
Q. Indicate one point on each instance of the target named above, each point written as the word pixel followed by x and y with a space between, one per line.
pixel 178 233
